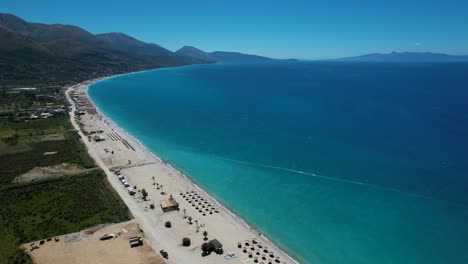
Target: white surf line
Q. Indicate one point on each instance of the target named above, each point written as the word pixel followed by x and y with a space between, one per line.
pixel 456 204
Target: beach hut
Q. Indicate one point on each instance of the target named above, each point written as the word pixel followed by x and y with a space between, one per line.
pixel 170 204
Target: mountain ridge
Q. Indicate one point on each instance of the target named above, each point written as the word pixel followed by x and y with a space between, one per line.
pixel 35 52
pixel 220 56
pixel 195 53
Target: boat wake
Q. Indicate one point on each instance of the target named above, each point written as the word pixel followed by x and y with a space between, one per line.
pixel 358 183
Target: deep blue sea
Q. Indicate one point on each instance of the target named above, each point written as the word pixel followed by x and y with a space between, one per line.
pixel 338 162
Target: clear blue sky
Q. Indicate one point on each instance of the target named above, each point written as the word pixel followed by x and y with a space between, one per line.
pixel 281 29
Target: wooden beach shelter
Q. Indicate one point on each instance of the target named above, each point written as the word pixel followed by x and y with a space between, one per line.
pixel 170 204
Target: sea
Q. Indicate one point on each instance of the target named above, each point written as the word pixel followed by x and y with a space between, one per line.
pixel 336 162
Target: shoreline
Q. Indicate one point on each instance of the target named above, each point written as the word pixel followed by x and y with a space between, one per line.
pixel 251 229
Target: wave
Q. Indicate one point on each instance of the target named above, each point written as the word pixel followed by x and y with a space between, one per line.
pixel 358 183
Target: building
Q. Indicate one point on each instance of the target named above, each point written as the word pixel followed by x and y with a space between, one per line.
pixel 170 204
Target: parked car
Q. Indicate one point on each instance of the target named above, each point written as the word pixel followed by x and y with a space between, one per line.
pixel 107 237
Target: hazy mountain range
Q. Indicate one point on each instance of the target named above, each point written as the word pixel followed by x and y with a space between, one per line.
pixel 407 57
pixel 35 52
pixel 219 56
pixel 40 53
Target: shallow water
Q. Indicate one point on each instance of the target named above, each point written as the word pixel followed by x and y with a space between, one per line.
pixel 337 162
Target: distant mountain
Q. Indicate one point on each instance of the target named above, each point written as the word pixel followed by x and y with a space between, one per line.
pixel 407 57
pixel 34 52
pixel 194 53
pixel 223 56
pixel 219 56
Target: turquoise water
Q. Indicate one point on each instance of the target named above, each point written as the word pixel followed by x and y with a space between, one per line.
pixel 336 162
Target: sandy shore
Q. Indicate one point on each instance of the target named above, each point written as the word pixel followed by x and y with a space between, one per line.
pixel 139 165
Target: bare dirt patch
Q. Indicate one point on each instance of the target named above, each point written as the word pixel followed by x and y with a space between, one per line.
pixel 51 137
pixel 41 173
pixel 85 247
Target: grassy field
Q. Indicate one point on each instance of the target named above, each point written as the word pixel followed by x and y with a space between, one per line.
pixel 53 207
pixel 23 152
pixel 59 206
pixel 33 127
pixel 12 165
pixel 41 209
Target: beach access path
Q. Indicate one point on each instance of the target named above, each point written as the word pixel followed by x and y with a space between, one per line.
pixel 121 151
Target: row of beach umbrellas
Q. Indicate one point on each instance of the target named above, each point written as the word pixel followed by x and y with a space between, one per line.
pixel 199 203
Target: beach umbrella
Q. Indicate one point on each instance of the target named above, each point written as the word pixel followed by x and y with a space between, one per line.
pixel 247 242
pixel 239 244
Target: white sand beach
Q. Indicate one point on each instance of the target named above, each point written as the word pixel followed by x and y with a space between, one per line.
pixel 119 150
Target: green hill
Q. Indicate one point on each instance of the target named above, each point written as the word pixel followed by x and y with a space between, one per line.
pixel 39 53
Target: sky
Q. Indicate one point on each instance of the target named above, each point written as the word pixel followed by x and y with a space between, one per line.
pixel 279 29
